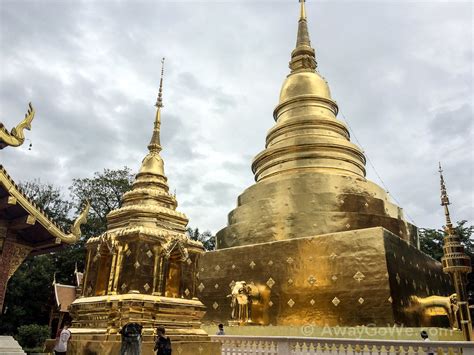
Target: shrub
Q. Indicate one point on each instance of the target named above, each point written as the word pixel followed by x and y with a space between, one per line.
pixel 32 335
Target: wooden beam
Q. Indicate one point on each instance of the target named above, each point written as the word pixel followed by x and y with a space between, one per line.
pixel 7 201
pixel 22 222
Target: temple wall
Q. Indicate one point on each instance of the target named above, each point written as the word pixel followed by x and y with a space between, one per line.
pixel 346 279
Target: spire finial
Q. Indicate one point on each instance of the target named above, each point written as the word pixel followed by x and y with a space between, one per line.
pixel 303 56
pixel 155 145
pixel 445 202
pixel 303 10
pixel 159 100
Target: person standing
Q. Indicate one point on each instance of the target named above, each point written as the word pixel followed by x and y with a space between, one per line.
pixel 62 341
pixel 220 330
pixel 424 336
pixel 162 342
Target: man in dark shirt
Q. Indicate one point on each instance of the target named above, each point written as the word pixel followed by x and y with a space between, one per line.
pixel 162 342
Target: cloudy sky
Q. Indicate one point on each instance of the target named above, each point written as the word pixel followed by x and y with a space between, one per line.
pixel 401 72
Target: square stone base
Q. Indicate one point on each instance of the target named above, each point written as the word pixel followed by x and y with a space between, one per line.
pixel 363 277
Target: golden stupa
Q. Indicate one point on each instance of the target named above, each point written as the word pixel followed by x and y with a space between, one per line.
pixel 313 241
pixel 142 269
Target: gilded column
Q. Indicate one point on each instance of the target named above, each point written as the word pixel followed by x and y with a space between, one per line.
pixel 117 269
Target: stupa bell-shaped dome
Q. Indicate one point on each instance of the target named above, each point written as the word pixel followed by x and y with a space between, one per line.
pixel 310 178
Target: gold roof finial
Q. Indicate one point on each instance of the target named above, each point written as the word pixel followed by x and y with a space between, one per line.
pixel 445 202
pixel 155 145
pixel 303 10
pixel 303 57
pixel 159 101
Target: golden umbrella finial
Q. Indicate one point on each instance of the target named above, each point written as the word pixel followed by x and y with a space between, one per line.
pixel 159 101
pixel 445 202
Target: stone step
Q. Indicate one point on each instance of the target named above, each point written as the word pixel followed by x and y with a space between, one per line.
pixel 9 346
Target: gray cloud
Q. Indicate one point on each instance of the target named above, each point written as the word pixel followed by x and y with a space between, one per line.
pixel 401 73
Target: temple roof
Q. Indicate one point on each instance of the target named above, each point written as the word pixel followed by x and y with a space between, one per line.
pixel 29 222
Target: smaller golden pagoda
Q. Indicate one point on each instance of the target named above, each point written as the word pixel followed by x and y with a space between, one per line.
pixel 142 269
pixel 456 263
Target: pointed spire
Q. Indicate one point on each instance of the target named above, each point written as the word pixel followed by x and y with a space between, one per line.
pixel 155 145
pixel 303 56
pixel 303 10
pixel 445 202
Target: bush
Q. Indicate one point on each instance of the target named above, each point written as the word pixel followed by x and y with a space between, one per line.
pixel 32 336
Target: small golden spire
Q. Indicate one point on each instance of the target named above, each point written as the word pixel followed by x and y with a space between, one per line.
pixel 303 10
pixel 303 56
pixel 159 100
pixel 155 145
pixel 445 202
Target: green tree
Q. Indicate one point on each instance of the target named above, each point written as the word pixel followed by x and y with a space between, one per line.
pixel 104 192
pixel 28 294
pixel 206 238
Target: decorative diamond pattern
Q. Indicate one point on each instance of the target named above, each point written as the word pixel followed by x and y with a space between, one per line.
pixel 359 276
pixel 124 286
pixel 270 303
pixel 216 286
pixel 146 287
pixel 187 292
pixel 348 226
pixel 270 263
pixel 398 278
pixel 217 268
pixel 334 278
pixel 215 305
pixel 202 269
pixel 290 281
pixel 252 264
pixel 335 301
pixel 270 282
pixel 290 260
pixel 312 302
pixel 128 252
pixel 96 256
pixel 291 303
pixel 137 264
pixel 233 266
pixel 201 287
pixel 149 253
pixel 312 280
pixel 189 261
pixel 414 284
pixel 333 256
pixel 232 284
pixel 390 299
pixel 360 300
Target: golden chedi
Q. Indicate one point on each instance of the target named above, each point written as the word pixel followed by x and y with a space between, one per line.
pixel 313 241
pixel 142 269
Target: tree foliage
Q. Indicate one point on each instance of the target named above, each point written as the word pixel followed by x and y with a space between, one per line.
pixel 206 238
